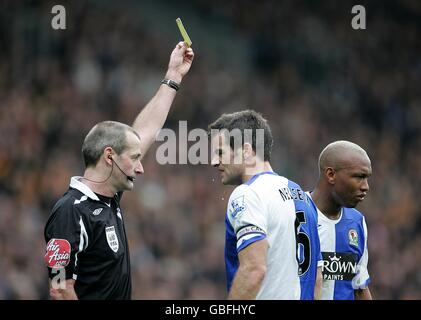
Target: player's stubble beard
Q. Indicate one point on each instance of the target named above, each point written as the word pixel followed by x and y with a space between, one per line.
pixel 233 175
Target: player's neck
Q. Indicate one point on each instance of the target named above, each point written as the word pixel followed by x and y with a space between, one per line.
pixel 325 204
pixel 258 168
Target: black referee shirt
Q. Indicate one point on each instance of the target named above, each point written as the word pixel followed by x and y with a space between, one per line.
pixel 85 236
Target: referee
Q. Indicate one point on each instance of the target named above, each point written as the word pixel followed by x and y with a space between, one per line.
pixel 87 252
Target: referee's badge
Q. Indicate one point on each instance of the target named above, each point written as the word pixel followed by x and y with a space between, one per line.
pixel 112 238
pixel 353 237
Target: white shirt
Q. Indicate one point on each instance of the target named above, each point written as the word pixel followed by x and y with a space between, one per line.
pixel 264 208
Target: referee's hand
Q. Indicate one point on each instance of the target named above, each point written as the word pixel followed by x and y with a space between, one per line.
pixel 180 62
pixel 66 293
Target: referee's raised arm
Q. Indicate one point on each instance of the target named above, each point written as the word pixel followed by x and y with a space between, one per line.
pixel 151 119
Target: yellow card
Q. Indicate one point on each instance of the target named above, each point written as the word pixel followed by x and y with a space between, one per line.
pixel 183 32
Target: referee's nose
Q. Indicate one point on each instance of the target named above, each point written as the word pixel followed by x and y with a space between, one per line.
pixel 139 168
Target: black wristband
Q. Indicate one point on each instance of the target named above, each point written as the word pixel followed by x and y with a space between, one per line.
pixel 171 84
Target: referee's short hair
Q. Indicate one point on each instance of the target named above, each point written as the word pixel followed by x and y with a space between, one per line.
pixel 246 119
pixel 102 135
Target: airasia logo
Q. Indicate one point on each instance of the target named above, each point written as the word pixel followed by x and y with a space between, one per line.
pixel 57 254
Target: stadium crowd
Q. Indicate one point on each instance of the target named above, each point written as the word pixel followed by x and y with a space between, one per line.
pixel 309 72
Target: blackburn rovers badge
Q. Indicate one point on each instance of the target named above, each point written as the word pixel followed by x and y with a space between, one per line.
pixel 353 237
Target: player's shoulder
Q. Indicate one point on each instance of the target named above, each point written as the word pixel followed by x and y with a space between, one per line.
pixel 261 182
pixel 252 186
pixel 241 195
pixel 353 214
pixel 293 185
pixel 241 190
pixel 258 185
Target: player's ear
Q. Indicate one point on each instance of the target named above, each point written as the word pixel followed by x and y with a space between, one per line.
pixel 330 175
pixel 247 151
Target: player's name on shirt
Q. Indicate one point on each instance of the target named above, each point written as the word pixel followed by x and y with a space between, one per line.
pixel 291 194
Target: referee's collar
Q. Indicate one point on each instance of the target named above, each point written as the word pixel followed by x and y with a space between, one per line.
pixel 76 183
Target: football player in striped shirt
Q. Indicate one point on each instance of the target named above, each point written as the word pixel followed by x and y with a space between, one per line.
pixel 260 247
pixel 309 255
pixel 343 183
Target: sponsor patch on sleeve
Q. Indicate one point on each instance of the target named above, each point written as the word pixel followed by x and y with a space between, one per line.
pixel 237 207
pixel 57 254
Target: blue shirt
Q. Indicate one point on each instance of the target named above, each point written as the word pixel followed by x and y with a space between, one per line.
pixel 345 255
pixel 309 254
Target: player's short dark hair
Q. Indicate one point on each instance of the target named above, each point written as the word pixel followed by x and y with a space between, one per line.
pixel 102 135
pixel 246 119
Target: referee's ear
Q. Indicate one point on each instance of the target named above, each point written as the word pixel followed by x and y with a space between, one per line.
pixel 108 154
